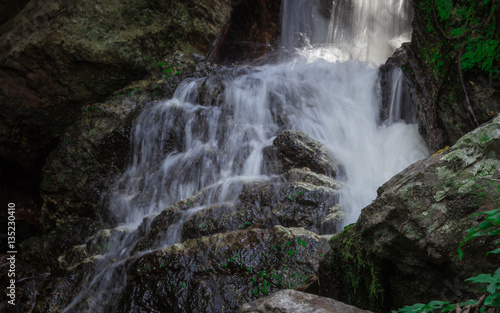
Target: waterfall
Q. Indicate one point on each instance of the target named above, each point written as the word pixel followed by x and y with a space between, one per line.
pixel 327 89
pixel 367 30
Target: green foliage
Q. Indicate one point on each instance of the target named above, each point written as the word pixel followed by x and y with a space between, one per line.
pixel 493 287
pixel 490 227
pixel 469 28
pixel 444 9
pixel 168 70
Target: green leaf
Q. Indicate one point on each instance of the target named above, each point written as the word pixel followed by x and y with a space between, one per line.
pixel 492 212
pixel 481 278
pixel 497 274
pixel 491 288
pixel 493 300
pixel 437 303
pixel 412 309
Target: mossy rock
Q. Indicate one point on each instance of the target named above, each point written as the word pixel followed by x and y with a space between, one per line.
pixel 403 248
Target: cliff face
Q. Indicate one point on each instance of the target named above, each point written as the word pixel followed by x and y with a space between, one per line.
pixel 431 71
pixel 58 55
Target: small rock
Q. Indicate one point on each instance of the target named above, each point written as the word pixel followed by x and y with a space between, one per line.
pixel 296 149
pixel 291 301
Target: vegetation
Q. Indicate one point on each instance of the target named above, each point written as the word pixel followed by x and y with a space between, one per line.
pixel 470 30
pixel 491 226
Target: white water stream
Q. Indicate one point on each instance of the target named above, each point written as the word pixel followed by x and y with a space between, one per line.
pixel 328 90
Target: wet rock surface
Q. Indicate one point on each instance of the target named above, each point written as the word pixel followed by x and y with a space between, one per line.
pixel 295 149
pixel 403 249
pixel 395 89
pixel 222 270
pixel 298 198
pixel 291 301
pixel 83 165
pixel 93 150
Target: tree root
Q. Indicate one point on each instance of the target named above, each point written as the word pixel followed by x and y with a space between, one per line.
pixel 472 116
pixel 471 308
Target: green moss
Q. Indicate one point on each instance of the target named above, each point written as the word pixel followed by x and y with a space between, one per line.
pixel 356 271
pixel 468 29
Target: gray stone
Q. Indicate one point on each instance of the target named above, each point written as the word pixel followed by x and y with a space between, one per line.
pixel 291 301
pixel 294 149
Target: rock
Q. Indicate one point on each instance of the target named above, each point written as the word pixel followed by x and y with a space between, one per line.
pixel 306 199
pixel 295 149
pixel 305 175
pixel 423 91
pixel 253 31
pixel 291 301
pixel 56 56
pixel 396 102
pixel 221 271
pixel 435 87
pixel 9 9
pixel 92 152
pixel 403 249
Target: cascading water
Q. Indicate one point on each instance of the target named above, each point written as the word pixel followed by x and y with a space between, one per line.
pixel 363 29
pixel 181 147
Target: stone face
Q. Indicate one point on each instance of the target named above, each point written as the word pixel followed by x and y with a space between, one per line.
pixel 305 199
pixel 291 301
pixel 388 75
pixel 295 149
pixel 222 270
pixel 58 55
pixel 403 249
pixel 93 151
pixel 437 94
pixel 252 31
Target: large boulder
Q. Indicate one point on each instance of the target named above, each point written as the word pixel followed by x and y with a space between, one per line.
pixel 56 56
pixel 291 301
pixel 221 272
pixel 403 248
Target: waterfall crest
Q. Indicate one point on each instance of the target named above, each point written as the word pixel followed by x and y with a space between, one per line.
pixel 363 29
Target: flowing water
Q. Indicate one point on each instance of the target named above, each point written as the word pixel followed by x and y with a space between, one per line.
pixel 327 89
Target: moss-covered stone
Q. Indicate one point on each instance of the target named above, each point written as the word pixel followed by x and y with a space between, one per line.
pixel 403 249
pixel 223 270
pixel 350 271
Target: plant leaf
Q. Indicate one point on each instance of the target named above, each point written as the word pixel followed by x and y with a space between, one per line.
pixel 481 278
